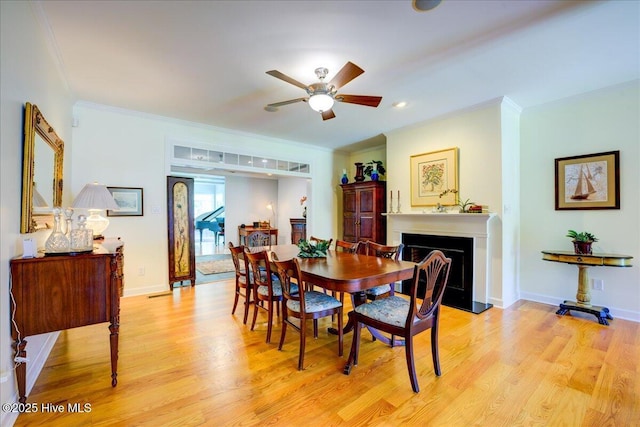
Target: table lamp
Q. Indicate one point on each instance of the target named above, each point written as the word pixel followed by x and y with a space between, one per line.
pixel 95 198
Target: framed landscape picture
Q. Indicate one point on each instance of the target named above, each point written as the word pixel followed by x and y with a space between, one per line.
pixel 129 201
pixel 590 181
pixel 433 173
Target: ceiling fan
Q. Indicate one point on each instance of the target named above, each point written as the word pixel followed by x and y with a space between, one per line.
pixel 322 95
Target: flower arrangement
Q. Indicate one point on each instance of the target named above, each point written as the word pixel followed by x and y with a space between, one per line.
pixel 464 206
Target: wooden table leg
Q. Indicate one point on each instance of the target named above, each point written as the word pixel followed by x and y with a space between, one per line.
pixel 583 299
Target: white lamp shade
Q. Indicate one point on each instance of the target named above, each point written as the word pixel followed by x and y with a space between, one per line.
pixel 321 102
pixel 95 197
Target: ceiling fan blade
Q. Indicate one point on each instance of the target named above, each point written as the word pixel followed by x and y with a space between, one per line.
pixel 291 101
pixel 329 114
pixel 278 75
pixel 349 72
pixel 369 101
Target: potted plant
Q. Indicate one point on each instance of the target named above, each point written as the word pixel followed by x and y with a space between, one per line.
pixel 582 241
pixel 374 169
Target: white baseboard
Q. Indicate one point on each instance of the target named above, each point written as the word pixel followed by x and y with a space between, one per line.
pixel 617 313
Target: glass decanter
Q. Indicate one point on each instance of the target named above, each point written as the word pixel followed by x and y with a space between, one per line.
pixel 57 241
pixel 81 237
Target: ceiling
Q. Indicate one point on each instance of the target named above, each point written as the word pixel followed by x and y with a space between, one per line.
pixel 206 61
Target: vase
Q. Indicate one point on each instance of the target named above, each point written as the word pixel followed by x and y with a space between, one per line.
pixel 359 172
pixel 344 179
pixel 374 175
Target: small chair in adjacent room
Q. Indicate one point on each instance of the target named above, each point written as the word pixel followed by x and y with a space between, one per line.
pixel 383 251
pixel 266 288
pixel 303 305
pixel 407 317
pixel 244 285
pixel 258 238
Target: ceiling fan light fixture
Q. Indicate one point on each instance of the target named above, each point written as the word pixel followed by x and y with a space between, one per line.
pixel 320 102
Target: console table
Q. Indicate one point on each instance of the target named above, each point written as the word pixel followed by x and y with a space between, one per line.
pixel 583 297
pixel 54 293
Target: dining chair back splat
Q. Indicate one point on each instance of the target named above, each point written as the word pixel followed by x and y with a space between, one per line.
pixel 407 317
pixel 318 240
pixel 303 305
pixel 266 288
pixel 258 238
pixel 383 251
pixel 244 285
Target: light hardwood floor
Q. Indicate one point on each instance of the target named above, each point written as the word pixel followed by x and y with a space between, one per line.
pixel 186 361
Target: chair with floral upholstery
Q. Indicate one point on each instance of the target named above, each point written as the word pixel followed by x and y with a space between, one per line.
pixel 383 251
pixel 302 305
pixel 266 288
pixel 407 317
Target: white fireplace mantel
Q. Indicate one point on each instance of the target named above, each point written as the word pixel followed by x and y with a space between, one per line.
pixel 473 225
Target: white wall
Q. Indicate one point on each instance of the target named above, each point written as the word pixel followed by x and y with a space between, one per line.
pixel 478 134
pixel 126 149
pixel 600 121
pixel 28 73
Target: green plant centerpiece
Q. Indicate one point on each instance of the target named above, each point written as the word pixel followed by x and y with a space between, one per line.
pixel 313 249
pixel 374 169
pixel 582 241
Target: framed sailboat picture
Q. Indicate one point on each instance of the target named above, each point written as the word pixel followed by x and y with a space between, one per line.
pixel 590 181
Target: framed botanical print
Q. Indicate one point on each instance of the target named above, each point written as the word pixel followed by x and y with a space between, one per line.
pixel 431 175
pixel 182 257
pixel 589 181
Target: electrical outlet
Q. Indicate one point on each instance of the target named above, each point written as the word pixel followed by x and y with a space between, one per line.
pixel 141 271
pixel 597 284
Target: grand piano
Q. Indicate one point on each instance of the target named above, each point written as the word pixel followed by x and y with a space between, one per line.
pixel 212 221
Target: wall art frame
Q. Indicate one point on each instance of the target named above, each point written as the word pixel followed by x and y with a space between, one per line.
pixel 129 199
pixel 431 174
pixel 181 230
pixel 588 181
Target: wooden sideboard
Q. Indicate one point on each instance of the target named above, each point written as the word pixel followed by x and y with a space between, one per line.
pixel 298 229
pixel 54 293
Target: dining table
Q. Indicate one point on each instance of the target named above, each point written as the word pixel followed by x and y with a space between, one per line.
pixel 349 273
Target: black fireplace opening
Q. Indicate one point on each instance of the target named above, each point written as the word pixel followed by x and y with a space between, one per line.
pixel 459 292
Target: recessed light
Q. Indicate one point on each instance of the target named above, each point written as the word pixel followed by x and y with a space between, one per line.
pixel 400 104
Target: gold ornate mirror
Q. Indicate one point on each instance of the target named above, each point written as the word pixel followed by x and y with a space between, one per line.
pixel 41 171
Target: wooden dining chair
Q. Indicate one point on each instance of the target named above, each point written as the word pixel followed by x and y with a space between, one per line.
pixel 383 251
pixel 303 305
pixel 318 240
pixel 258 238
pixel 244 285
pixel 349 247
pixel 266 288
pixel 407 317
